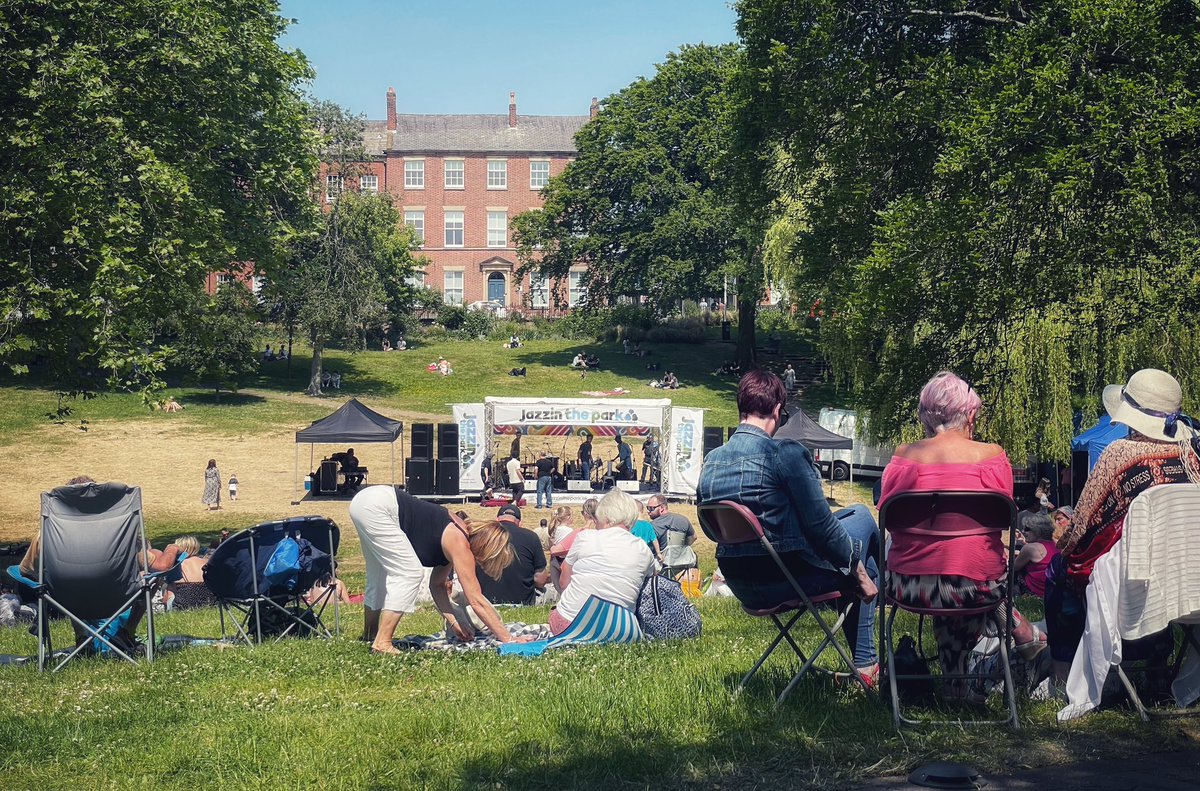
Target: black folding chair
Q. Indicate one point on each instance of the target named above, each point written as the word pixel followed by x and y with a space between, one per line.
pixel 92 568
pixel 256 607
pixel 729 523
pixel 944 516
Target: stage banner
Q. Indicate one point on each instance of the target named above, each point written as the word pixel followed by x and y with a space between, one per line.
pixel 472 445
pixel 615 415
pixel 685 451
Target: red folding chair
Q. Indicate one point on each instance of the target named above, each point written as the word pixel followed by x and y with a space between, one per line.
pixel 729 523
pixel 943 516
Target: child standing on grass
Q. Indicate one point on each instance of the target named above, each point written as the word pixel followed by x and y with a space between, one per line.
pixel 233 486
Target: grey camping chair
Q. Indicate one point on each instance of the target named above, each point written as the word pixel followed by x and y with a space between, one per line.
pixel 91 568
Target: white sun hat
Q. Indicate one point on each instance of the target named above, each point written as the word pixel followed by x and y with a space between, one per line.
pixel 1149 403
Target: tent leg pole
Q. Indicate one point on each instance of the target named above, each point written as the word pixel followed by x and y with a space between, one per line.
pixel 296 477
pixel 393 446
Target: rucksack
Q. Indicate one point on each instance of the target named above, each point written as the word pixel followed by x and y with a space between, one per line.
pixel 283 567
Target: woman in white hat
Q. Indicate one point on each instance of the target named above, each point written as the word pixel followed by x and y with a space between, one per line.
pixel 1159 450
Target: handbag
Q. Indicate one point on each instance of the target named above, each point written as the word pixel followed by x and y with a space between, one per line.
pixel 663 611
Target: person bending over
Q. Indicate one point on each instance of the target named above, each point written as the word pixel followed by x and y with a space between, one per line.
pixel 401 536
pixel 775 479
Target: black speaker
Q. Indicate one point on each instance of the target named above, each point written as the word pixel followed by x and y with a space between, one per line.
pixel 447 476
pixel 447 446
pixel 422 440
pixel 515 450
pixel 327 477
pixel 714 437
pixel 729 433
pixel 419 476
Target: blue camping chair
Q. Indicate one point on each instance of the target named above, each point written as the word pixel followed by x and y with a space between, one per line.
pixel 260 600
pixel 92 568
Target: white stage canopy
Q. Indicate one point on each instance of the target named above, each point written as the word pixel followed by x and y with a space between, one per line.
pixel 679 429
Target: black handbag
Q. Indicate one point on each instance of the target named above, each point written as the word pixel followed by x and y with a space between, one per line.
pixel 664 612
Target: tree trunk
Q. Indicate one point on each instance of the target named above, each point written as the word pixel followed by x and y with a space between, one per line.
pixel 291 333
pixel 747 307
pixel 314 376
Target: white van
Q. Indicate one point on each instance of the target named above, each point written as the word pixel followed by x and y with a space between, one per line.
pixel 867 460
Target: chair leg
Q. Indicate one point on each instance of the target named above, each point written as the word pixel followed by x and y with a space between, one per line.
pixel 893 686
pixel 1010 691
pixel 1133 695
pixel 786 633
pixel 783 632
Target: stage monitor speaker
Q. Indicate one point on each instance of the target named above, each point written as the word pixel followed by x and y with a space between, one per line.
pixel 447 441
pixel 447 476
pixel 629 486
pixel 575 485
pixel 422 440
pixel 714 438
pixel 729 433
pixel 327 477
pixel 419 476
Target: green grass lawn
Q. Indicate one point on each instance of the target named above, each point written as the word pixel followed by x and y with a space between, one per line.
pixel 317 713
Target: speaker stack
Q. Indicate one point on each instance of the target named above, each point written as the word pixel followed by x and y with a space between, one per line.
pixel 714 437
pixel 447 458
pixel 419 468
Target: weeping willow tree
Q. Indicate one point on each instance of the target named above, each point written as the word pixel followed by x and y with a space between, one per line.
pixel 1010 192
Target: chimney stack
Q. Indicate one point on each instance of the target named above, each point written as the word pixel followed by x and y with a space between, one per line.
pixel 391 109
pixel 595 107
pixel 512 110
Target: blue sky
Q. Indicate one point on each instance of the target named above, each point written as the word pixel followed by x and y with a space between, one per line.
pixel 464 56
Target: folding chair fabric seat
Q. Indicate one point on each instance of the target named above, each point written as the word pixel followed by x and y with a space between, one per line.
pixel 944 515
pixel 92 536
pixel 235 574
pixel 729 523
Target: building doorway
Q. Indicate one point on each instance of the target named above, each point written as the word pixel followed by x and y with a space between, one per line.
pixel 497 288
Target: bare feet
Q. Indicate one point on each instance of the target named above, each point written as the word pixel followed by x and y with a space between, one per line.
pixel 386 648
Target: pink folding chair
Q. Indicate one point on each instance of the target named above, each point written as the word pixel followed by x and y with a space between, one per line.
pixel 729 523
pixel 944 516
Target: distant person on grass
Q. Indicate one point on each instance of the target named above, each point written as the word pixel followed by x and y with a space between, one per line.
pixel 211 496
pixel 402 536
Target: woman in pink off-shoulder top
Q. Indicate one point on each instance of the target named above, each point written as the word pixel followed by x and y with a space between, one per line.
pixel 955 571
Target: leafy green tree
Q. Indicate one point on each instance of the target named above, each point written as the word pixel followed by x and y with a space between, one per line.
pixel 645 203
pixel 146 144
pixel 217 347
pixel 1008 190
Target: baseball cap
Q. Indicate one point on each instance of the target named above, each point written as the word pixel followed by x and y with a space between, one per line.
pixel 509 510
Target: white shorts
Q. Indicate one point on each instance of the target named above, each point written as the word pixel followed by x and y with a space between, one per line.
pixel 394 574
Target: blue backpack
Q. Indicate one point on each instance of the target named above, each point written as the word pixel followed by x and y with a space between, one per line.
pixel 283 567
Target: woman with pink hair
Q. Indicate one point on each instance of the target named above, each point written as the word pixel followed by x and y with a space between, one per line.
pixel 958 571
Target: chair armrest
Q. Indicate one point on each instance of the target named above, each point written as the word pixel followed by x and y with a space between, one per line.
pixel 15 573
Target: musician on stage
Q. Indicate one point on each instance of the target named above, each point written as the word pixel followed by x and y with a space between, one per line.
pixel 624 460
pixel 585 457
pixel 546 468
pixel 350 468
pixel 650 461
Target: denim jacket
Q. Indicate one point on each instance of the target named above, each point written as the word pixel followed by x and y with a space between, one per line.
pixel 776 480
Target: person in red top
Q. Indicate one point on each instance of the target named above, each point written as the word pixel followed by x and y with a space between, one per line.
pixel 958 571
pixel 1034 558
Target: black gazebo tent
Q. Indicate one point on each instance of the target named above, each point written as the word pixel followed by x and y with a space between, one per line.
pixel 805 430
pixel 352 423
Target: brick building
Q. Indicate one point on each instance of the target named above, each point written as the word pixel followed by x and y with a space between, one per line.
pixel 459 180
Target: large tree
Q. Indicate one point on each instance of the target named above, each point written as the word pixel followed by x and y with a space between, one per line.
pixel 646 204
pixel 216 343
pixel 1005 189
pixel 146 143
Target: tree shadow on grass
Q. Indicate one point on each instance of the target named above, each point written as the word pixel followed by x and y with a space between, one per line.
pixel 222 399
pixel 354 379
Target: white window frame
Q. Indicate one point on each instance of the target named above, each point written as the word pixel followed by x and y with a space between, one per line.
pixel 543 177
pixel 576 292
pixel 416 279
pixel 497 228
pixel 448 228
pixel 539 291
pixel 414 174
pixel 460 172
pixel 497 174
pixel 453 295
pixel 225 279
pixel 333 188
pixel 368 183
pixel 415 219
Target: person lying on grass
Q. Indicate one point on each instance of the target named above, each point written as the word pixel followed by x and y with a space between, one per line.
pixel 401 536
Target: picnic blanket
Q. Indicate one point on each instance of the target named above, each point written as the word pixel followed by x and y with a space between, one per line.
pixel 604 393
pixel 599 621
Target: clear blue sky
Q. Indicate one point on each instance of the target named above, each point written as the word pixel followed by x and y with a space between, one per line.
pixel 464 56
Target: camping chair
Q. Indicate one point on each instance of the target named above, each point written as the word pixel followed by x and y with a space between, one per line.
pixel 924 513
pixel 728 523
pixel 258 608
pixel 1157 558
pixel 92 568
